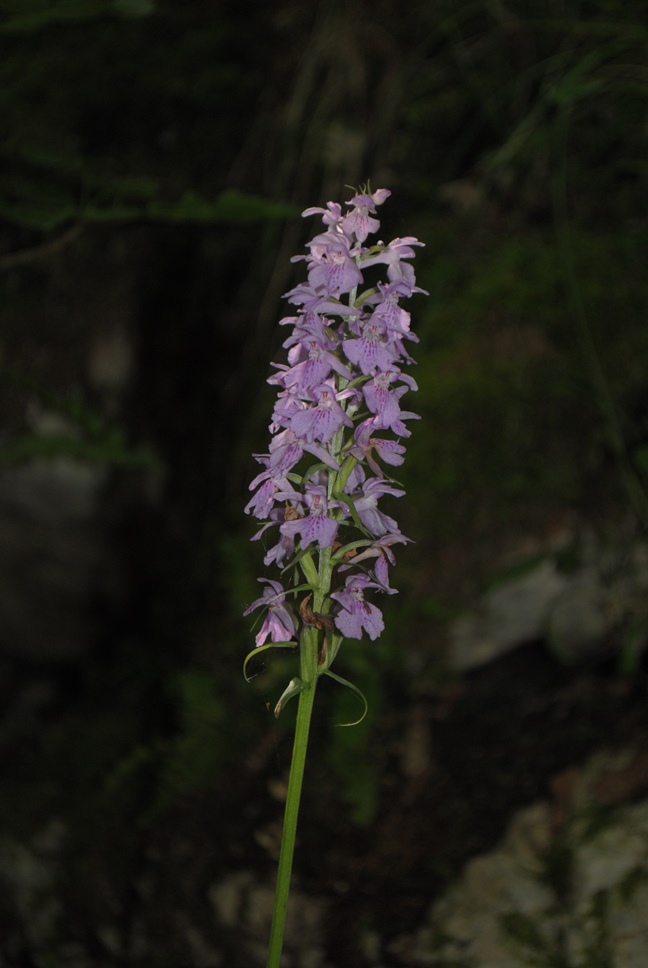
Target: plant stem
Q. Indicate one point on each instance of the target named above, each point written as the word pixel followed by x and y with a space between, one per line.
pixel 308 655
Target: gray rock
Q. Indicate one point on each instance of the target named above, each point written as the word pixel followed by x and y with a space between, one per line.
pixel 576 898
pixel 575 612
pixel 507 616
pixel 240 902
pixel 53 558
pixel 28 875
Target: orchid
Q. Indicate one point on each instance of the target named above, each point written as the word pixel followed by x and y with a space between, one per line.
pixel 355 614
pixel 279 623
pixel 345 358
pixel 338 403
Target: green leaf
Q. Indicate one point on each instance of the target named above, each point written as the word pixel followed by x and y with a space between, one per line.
pixel 350 503
pixel 345 472
pixel 341 552
pixel 46 192
pixel 304 559
pixel 230 206
pixel 294 687
pixel 35 206
pixel 52 161
pixel 27 16
pixel 333 649
pixel 263 648
pixel 354 689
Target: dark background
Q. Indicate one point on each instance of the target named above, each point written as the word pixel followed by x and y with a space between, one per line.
pixel 154 160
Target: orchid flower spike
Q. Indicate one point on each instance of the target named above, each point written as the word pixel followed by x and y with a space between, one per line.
pixel 338 420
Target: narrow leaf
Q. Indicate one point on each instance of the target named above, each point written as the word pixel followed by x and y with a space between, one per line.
pixel 350 503
pixel 356 691
pixel 263 648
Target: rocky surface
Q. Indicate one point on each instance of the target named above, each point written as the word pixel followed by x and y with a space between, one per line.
pixel 575 595
pixel 568 884
pixel 53 559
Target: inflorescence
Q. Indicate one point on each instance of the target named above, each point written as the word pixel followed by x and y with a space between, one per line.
pixel 338 415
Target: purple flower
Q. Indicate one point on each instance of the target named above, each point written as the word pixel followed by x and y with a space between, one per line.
pixel 374 520
pixel 371 352
pixel 286 450
pixel 397 270
pixel 264 500
pixel 317 527
pixel 307 328
pixel 331 215
pixel 382 400
pixel 279 623
pixel 388 450
pixel 284 549
pixel 359 223
pixel 311 370
pixel 381 551
pixel 281 552
pixel 355 614
pixel 313 301
pixel 286 406
pixel 331 269
pixel 321 421
pixel 394 320
pixel 345 356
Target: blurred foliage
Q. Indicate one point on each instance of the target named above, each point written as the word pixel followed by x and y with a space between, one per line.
pixel 350 750
pixel 199 750
pixel 44 191
pixel 74 430
pixel 503 370
pixel 62 109
pixel 25 16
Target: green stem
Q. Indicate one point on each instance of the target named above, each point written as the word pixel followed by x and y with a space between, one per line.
pixel 308 655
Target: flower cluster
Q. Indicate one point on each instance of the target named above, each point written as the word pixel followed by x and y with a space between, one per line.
pixel 337 422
